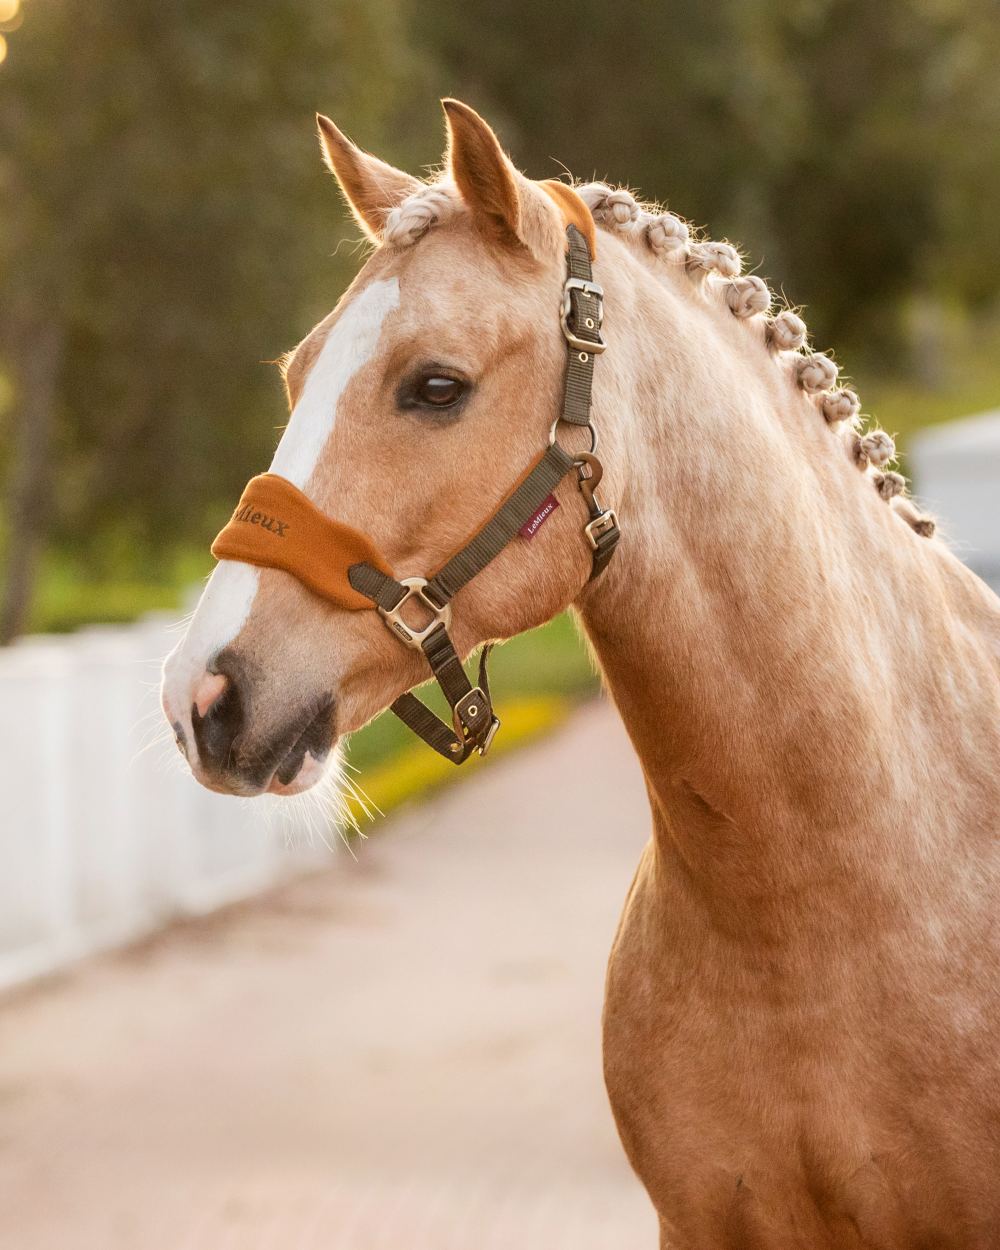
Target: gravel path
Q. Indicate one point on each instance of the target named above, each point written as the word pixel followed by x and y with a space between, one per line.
pixel 400 1053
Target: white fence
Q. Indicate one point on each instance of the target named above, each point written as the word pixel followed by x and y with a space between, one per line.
pixel 104 835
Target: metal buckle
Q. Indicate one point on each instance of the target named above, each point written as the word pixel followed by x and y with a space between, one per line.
pixel 415 638
pixel 595 291
pixel 467 717
pixel 601 525
pixel 470 708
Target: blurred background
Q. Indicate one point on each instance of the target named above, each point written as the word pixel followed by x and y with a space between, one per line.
pixel 167 230
pixel 168 227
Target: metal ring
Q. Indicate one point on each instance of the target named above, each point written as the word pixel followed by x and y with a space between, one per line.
pixel 414 636
pixel 589 426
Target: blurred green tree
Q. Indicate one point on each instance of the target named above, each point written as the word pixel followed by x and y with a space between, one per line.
pixel 167 222
pixel 852 148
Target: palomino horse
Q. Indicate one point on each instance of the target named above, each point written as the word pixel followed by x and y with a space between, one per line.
pixel 801 1017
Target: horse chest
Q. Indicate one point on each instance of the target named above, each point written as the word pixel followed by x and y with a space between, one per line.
pixel 766 1122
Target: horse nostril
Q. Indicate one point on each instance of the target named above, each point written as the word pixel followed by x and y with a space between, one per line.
pixel 208 691
pixel 216 718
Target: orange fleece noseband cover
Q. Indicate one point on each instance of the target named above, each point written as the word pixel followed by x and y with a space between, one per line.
pixel 278 527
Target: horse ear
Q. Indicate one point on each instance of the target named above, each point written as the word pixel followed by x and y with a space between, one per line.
pixel 370 186
pixel 486 180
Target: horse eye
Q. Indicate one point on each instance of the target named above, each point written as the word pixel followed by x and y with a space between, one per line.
pixel 439 392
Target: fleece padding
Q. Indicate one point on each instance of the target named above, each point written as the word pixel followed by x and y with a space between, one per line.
pixel 276 526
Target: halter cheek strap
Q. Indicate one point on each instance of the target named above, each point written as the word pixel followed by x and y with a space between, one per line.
pixel 277 526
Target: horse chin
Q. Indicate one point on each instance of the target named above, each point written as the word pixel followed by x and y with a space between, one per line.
pixel 310 772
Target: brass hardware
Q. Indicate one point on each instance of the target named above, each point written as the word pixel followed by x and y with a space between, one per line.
pixel 600 525
pixel 602 520
pixel 412 635
pixel 574 340
pixel 589 426
pixel 589 481
pixel 595 291
pixel 467 712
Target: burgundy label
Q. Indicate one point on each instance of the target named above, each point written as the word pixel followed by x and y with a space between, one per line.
pixel 544 510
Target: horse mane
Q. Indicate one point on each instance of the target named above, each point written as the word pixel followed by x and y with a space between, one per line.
pixel 667 238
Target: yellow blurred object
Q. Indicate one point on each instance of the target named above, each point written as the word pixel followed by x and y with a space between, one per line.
pixel 9 10
pixel 415 770
pixel 3 47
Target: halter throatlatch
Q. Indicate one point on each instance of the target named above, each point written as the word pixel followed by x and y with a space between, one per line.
pixel 277 526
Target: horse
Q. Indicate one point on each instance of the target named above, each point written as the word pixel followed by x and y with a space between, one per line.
pixel 800 1025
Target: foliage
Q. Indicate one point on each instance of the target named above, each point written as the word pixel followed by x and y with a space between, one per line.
pixel 168 227
pixel 166 209
pixel 855 147
pixel 74 590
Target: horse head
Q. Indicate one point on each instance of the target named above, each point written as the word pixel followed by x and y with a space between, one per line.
pixel 415 406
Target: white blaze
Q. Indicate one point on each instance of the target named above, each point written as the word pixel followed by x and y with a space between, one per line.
pixel 225 605
pixel 222 612
pixel 348 346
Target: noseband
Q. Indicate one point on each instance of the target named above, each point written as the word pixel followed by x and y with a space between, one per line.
pixel 277 526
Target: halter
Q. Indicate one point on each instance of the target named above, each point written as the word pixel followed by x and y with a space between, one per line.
pixel 275 525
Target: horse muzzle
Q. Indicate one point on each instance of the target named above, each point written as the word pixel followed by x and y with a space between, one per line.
pixel 233 751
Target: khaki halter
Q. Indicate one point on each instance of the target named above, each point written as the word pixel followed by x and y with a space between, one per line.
pixel 275 525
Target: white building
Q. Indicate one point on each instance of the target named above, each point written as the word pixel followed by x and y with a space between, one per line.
pixel 956 475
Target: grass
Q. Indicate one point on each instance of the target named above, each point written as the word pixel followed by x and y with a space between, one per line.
pixel 71 593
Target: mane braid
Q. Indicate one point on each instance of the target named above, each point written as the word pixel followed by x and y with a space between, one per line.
pixel 670 239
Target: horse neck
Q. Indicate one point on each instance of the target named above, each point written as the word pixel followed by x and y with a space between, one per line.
pixel 775 639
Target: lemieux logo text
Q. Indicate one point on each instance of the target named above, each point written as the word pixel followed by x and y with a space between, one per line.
pixel 542 513
pixel 251 517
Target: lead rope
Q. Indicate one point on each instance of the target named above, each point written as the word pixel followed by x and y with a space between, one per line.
pixel 474 722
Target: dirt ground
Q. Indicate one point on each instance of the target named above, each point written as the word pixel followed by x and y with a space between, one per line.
pixel 401 1053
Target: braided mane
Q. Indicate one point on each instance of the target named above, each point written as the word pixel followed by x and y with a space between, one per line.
pixel 669 239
